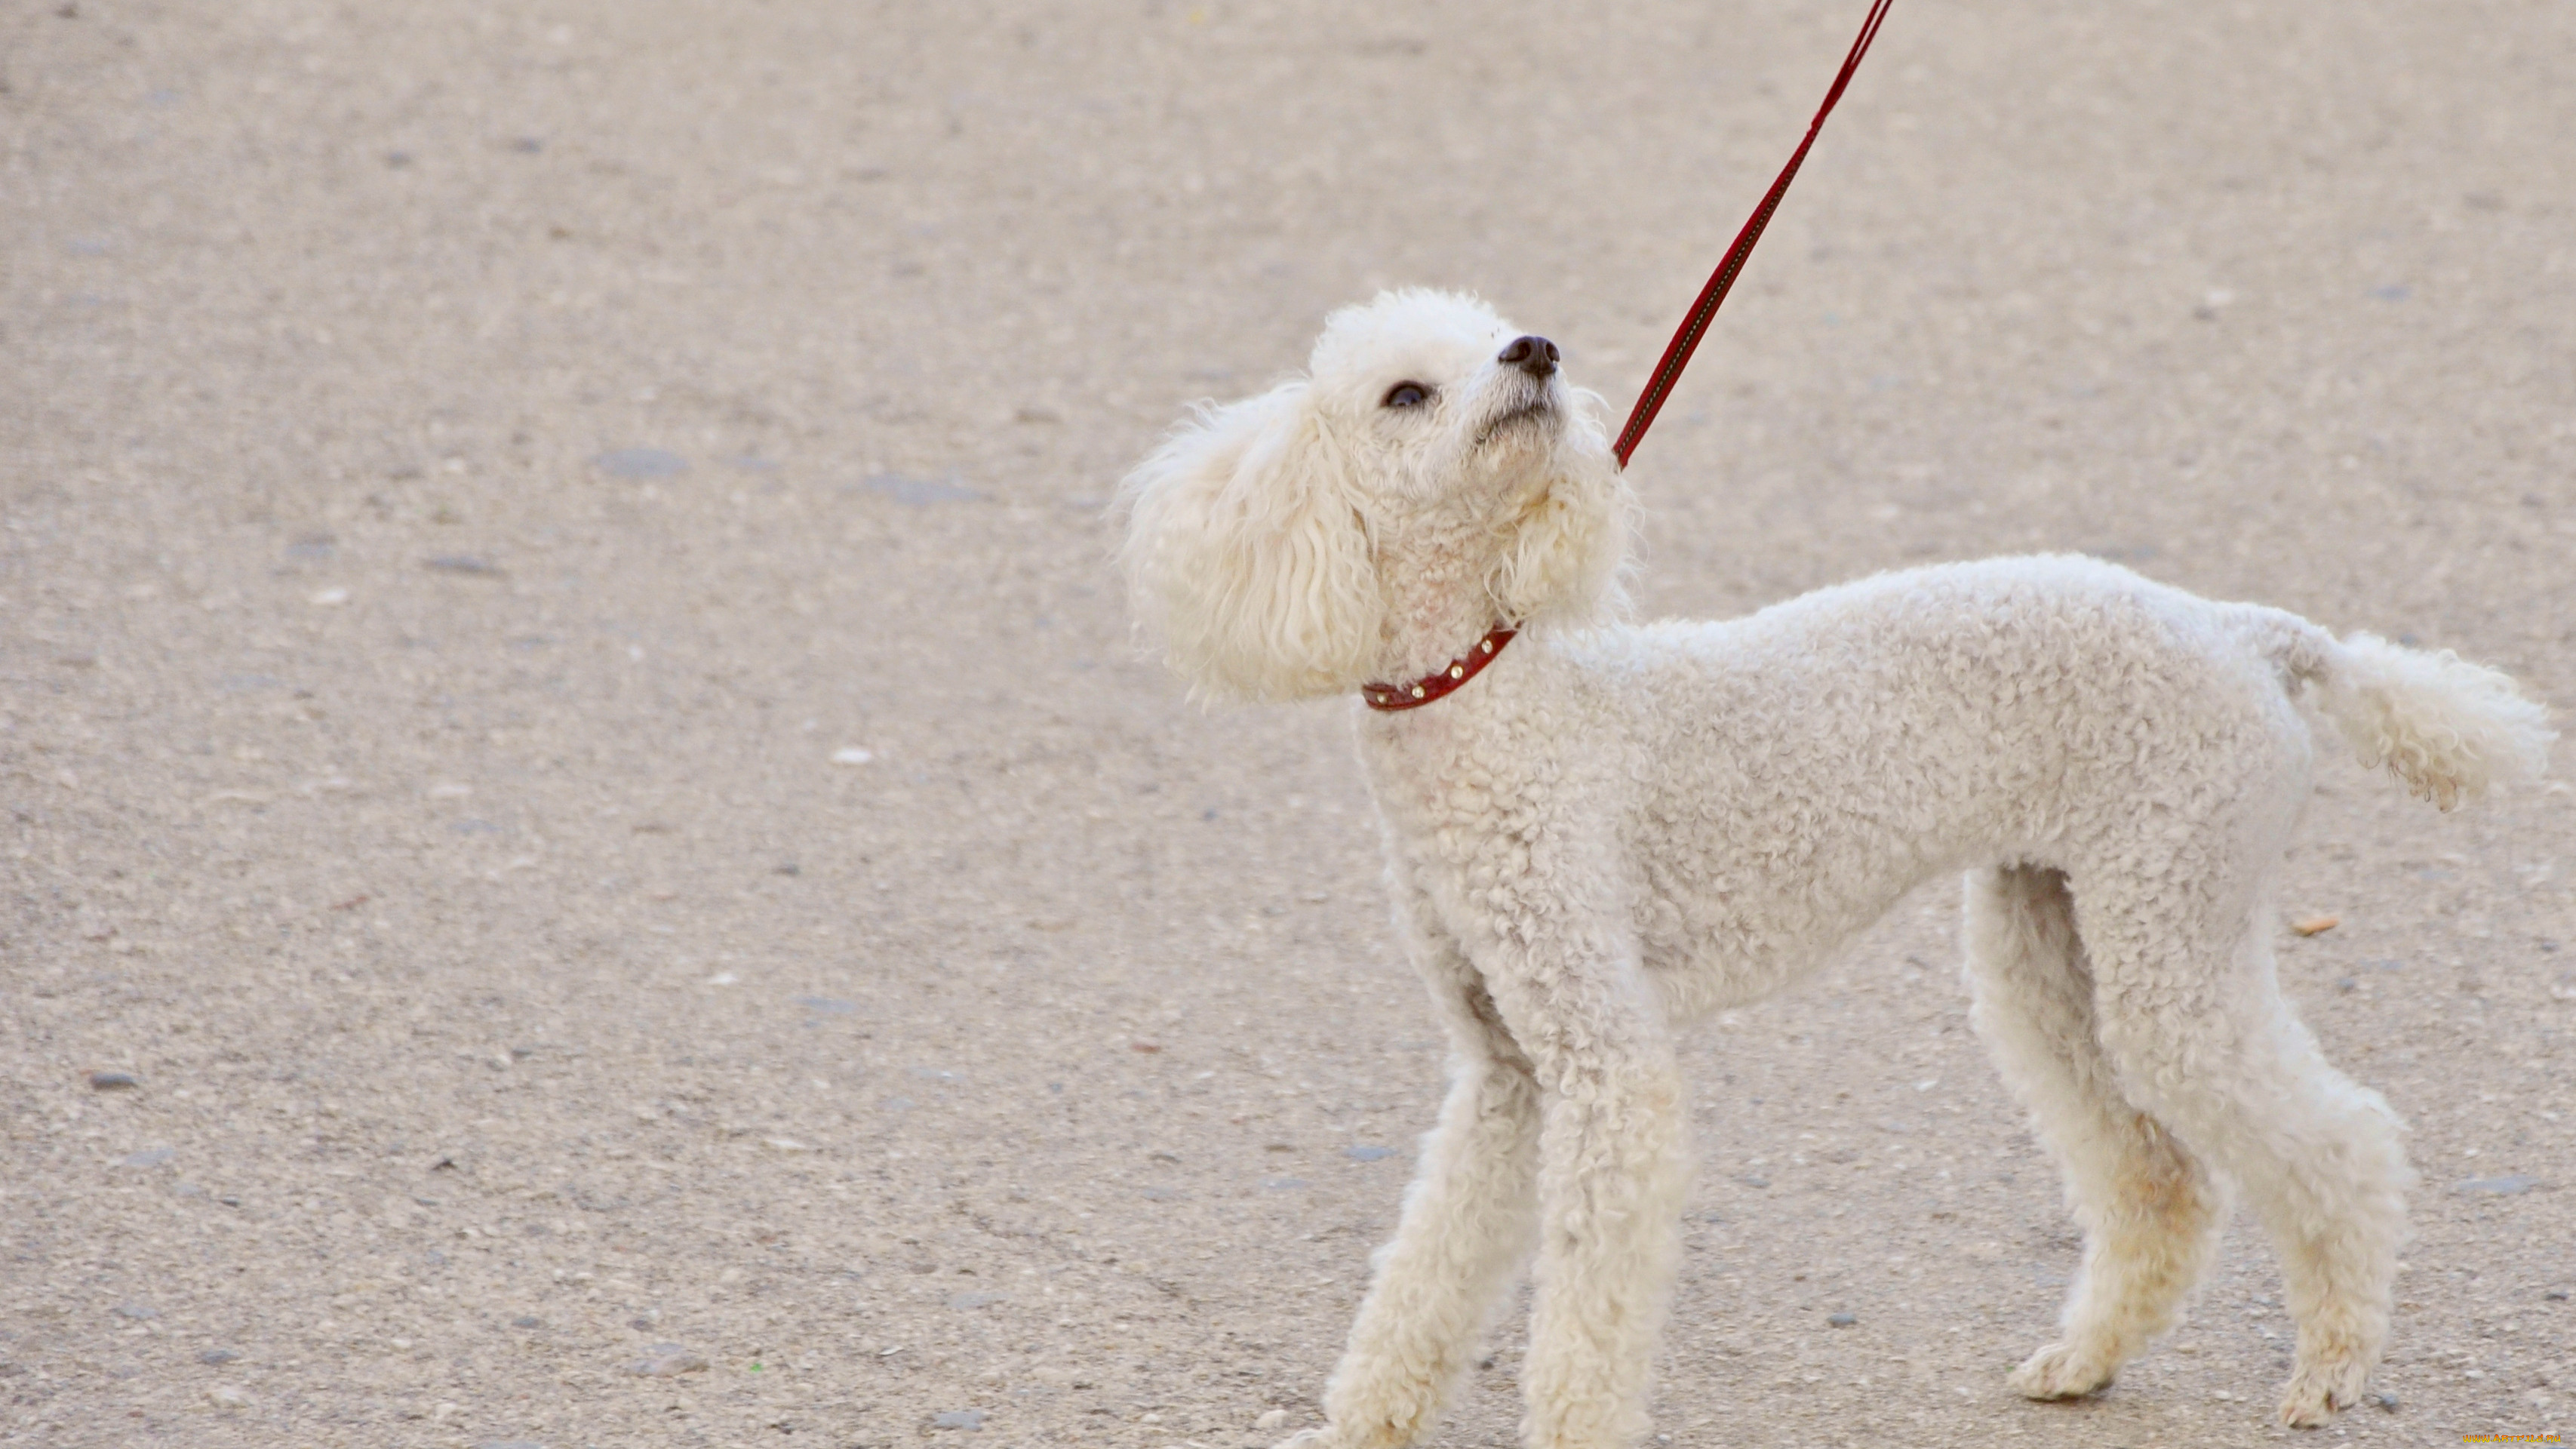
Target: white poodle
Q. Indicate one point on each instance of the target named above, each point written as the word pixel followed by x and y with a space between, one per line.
pixel 1609 829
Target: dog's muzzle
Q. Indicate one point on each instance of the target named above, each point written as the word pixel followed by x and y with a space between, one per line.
pixel 1538 407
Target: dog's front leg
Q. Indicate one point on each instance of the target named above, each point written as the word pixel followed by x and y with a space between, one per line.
pixel 1612 1175
pixel 1466 1224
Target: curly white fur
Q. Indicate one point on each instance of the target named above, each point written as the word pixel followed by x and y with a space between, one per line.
pixel 1618 828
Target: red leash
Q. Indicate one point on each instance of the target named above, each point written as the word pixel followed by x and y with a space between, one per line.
pixel 1677 353
pixel 1389 698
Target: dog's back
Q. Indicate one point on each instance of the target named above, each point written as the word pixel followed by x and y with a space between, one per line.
pixel 1789 774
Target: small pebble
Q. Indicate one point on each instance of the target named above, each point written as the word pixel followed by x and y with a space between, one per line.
pixel 457 563
pixel 135 1311
pixel 642 463
pixel 151 1157
pixel 509 1444
pixel 2315 925
pixel 968 1419
pixel 1274 1419
pixel 329 598
pixel 667 1361
pixel 228 1397
pixel 916 492
pixel 2555 1295
pixel 851 755
pixel 1368 1154
pixel 217 1356
pixel 2502 1186
pixel 112 1082
pixel 2387 1403
pixel 527 1321
pixel 1842 1320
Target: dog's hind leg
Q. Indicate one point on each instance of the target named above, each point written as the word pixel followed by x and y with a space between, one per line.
pixel 2207 1043
pixel 2149 1210
pixel 1468 1221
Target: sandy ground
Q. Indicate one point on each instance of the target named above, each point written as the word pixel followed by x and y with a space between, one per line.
pixel 472 478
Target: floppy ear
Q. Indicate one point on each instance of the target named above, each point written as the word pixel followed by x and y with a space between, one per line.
pixel 1568 552
pixel 1246 552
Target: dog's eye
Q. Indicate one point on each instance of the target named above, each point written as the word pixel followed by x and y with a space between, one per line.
pixel 1407 395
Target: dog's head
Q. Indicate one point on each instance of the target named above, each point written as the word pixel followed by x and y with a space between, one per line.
pixel 1432 464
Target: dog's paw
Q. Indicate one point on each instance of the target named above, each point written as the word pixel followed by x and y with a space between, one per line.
pixel 2062 1371
pixel 2318 1389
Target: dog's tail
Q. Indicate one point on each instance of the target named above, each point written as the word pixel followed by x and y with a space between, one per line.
pixel 2448 728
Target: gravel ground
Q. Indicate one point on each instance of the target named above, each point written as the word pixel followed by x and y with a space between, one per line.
pixel 564 721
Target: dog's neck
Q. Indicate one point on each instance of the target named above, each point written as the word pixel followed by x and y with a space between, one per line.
pixel 1435 577
pixel 1434 614
pixel 1431 630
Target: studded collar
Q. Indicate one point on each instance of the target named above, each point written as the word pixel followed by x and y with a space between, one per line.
pixel 1389 698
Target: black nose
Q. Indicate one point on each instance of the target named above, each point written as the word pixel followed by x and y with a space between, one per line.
pixel 1533 355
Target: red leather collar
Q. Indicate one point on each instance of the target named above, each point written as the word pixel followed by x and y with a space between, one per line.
pixel 1393 697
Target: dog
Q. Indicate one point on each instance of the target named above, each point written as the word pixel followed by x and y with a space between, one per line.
pixel 1598 831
